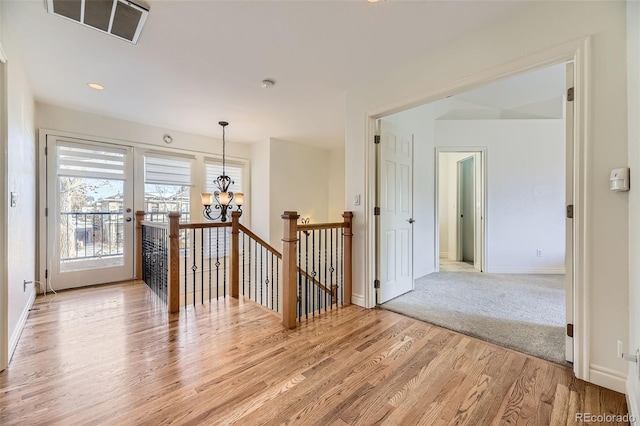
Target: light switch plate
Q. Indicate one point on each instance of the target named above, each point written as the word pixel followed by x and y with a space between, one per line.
pixel 14 199
pixel 356 200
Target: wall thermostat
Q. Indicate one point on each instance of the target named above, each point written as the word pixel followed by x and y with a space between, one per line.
pixel 619 180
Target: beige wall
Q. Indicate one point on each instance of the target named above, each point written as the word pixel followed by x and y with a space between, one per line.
pixel 299 176
pixel 542 27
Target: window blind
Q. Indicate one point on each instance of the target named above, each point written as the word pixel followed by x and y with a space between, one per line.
pixel 213 169
pixel 100 163
pixel 168 171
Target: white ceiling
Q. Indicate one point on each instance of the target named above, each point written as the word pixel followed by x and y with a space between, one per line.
pixel 536 94
pixel 198 62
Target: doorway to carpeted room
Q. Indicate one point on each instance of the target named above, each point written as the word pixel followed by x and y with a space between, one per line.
pixel 524 312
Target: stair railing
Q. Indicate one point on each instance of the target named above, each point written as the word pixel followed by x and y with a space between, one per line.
pixel 181 261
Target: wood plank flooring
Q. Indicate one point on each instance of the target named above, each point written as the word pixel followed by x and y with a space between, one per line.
pixel 111 355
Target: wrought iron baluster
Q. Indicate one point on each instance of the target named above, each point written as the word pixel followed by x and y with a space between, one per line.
pixel 266 281
pixel 224 269
pixel 243 237
pixel 194 267
pixel 271 280
pixel 249 275
pixel 201 265
pixel 342 265
pixel 306 277
pixel 313 272
pixel 186 245
pixel 261 282
pixel 217 263
pixel 325 270
pixel 299 302
pixel 277 284
pixel 331 269
pixel 255 275
pixel 209 256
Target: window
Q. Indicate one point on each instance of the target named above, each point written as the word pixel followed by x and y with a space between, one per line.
pixel 167 187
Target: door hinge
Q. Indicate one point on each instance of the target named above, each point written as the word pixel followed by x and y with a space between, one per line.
pixel 376 139
pixel 376 211
pixel 570 94
pixel 570 211
pixel 45 150
pixel 46 211
pixel 570 330
pixel 46 273
pixel 376 283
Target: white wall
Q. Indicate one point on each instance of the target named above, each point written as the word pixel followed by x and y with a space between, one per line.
pixel 525 190
pixel 260 189
pixel 539 28
pixel 298 182
pixel 336 185
pixel 21 179
pixel 89 124
pixel 633 76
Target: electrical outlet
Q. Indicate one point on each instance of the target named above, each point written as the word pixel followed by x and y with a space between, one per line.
pixel 14 199
pixel 539 252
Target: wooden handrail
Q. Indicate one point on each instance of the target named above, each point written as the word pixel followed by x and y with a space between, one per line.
pixel 260 241
pixel 310 227
pixel 205 225
pixel 162 225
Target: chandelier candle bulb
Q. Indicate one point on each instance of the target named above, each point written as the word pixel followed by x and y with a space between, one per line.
pixel 224 198
pixel 207 199
pixel 239 197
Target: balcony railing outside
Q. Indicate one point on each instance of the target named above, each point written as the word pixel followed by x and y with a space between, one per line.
pixel 90 235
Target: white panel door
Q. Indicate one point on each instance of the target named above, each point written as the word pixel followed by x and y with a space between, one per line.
pixel 396 210
pixel 569 221
pixel 90 226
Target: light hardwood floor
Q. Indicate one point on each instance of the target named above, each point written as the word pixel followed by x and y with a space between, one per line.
pixel 110 355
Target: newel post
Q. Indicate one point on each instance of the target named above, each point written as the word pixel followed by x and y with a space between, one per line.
pixel 139 219
pixel 348 265
pixel 173 292
pixel 234 274
pixel 289 266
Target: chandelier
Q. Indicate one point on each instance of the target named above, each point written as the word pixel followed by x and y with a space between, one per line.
pixel 222 196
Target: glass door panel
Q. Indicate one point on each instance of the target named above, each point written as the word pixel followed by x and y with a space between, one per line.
pixel 90 220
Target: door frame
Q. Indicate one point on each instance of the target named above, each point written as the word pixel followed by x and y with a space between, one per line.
pixel 4 207
pixel 482 151
pixel 42 195
pixel 577 51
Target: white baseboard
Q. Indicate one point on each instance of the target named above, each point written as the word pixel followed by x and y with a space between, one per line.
pixel 607 378
pixel 357 299
pixel 525 271
pixel 632 400
pixel 15 336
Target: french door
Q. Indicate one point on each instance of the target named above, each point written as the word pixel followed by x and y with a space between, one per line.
pixel 90 226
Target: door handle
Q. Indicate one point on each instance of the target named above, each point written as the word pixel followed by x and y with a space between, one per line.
pixel 128 219
pixel 410 220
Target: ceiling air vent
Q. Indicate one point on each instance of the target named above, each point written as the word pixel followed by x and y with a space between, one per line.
pixel 120 18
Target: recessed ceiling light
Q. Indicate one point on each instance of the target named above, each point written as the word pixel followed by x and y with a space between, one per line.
pixel 95 86
pixel 373 1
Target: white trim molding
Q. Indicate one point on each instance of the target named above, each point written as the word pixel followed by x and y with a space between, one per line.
pixel 632 399
pixel 577 51
pixel 15 337
pixel 607 378
pixel 4 209
pixel 542 271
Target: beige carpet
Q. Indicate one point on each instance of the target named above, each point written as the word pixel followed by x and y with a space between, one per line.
pixel 522 312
